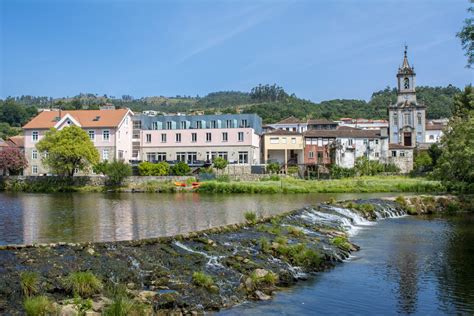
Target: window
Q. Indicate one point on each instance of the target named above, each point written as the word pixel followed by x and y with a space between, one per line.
pixel 283 140
pixel 34 169
pixel 394 153
pixel 311 154
pixel 350 141
pixel 183 125
pixel 402 154
pixel 431 137
pixel 198 124
pixel 228 123
pixel 395 118
pixel 169 125
pixel 243 123
pixel 419 119
pixel 34 136
pixel 241 136
pixel 163 138
pixel 274 140
pixel 106 135
pixel 180 156
pixel 293 140
pixel 148 138
pixel 376 142
pixel 243 157
pixel 137 124
pixel 120 154
pixel 154 125
pixel 406 83
pixel 105 154
pixel 178 137
pixel 213 124
pixel 193 137
pixel 91 135
pixel 34 154
pixel 192 157
pixel 320 156
pixel 407 118
pixel 208 137
pixel 161 156
pixel 365 142
pixel 377 155
pixel 225 137
pixel 150 157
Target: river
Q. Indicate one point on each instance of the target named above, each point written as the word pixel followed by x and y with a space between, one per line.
pixel 408 265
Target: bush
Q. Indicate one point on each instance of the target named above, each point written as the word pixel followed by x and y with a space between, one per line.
pixel 29 282
pixel 100 168
pixel 293 170
pixel 223 178
pixel 250 217
pixel 203 280
pixel 341 242
pixel 38 306
pixel 273 177
pixel 366 167
pixel 83 284
pixel 154 169
pixel 145 168
pixel 220 163
pixel 116 171
pixel 180 169
pixel 273 167
pixel 338 172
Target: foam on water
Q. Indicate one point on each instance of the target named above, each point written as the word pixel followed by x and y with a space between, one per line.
pixel 213 260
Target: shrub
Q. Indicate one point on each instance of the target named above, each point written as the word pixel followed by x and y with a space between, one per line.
pixel 220 163
pixel 338 172
pixel 100 168
pixel 154 169
pixel 251 217
pixel 116 171
pixel 203 280
pixel 341 242
pixel 29 282
pixel 273 167
pixel 38 306
pixel 83 284
pixel 293 170
pixel 223 178
pixel 145 168
pixel 180 169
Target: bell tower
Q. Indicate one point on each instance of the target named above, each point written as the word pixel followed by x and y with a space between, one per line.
pixel 407 116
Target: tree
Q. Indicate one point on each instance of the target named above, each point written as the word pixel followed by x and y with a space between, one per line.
pixel 180 169
pixel 273 167
pixel 68 150
pixel 423 162
pixel 12 160
pixel 220 163
pixel 466 35
pixel 455 166
pixel 116 171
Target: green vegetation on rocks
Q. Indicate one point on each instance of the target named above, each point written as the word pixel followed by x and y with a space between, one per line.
pixel 83 284
pixel 204 280
pixel 38 306
pixel 29 283
pixel 251 217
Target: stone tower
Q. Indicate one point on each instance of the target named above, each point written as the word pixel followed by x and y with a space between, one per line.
pixel 407 116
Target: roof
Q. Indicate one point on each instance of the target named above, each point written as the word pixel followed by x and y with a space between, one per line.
pixel 321 122
pixel 398 146
pixel 282 132
pixel 87 118
pixel 434 127
pixel 290 120
pixel 17 141
pixel 344 131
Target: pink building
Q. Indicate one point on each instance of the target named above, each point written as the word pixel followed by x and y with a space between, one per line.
pixel 110 130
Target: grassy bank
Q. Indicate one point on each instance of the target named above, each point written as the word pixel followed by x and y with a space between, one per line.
pixel 349 185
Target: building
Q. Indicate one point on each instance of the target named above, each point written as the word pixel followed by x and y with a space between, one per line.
pixel 322 124
pixel 401 156
pixel 290 124
pixel 198 139
pixel 407 116
pixel 109 130
pixel 363 123
pixel 284 147
pixel 434 132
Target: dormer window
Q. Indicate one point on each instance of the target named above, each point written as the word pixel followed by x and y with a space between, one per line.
pixel 97 118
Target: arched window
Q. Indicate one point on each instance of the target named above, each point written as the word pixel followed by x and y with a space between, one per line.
pixel 406 83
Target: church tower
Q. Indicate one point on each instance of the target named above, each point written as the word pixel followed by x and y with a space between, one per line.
pixel 407 116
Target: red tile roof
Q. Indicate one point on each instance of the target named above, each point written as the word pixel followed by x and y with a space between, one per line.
pixel 290 120
pixel 87 118
pixel 398 146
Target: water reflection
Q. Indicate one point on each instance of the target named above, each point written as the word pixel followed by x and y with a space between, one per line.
pixel 30 218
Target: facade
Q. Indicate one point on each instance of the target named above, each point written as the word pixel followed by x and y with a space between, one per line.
pixel 110 130
pixel 407 116
pixel 322 124
pixel 401 156
pixel 284 147
pixel 363 123
pixel 198 139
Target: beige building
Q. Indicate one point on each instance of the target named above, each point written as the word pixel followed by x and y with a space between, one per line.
pixel 284 147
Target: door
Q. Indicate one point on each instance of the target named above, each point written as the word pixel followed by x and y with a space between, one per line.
pixel 407 139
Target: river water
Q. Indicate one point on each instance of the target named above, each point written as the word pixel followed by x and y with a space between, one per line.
pixel 27 218
pixel 407 265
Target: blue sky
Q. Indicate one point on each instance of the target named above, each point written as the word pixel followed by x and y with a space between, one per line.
pixel 317 49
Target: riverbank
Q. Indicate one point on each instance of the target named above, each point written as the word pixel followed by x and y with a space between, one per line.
pixel 190 273
pixel 371 184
